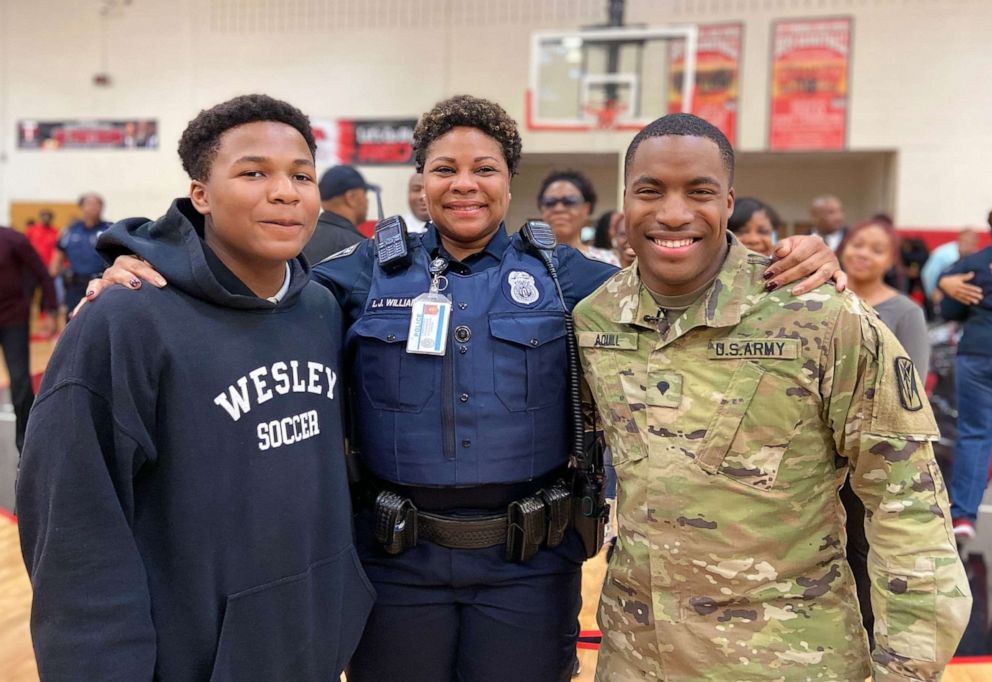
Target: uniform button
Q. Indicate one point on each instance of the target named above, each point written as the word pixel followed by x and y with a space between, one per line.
pixel 462 333
pixel 466 443
pixel 534 342
pixel 462 306
pixel 463 397
pixel 462 350
pixel 391 337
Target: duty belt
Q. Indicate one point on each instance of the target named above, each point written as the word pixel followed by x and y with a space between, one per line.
pixel 537 519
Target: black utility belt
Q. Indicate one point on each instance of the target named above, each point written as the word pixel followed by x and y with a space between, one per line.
pixel 530 522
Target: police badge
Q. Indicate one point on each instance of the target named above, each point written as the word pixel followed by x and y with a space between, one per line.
pixel 522 287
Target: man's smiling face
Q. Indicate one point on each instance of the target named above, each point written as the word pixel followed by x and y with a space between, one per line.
pixel 677 201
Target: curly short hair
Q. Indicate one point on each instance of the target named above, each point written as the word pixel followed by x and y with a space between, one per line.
pixel 579 180
pixel 470 112
pixel 200 141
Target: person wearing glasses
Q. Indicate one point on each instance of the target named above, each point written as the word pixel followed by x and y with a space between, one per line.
pixel 567 200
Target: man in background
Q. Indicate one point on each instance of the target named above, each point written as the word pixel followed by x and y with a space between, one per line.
pixel 946 255
pixel 416 219
pixel 346 205
pixel 78 247
pixel 971 305
pixel 21 272
pixel 828 220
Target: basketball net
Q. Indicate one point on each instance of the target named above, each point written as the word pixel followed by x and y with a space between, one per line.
pixel 606 113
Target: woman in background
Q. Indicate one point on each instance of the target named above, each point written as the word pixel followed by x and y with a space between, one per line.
pixel 567 200
pixel 755 223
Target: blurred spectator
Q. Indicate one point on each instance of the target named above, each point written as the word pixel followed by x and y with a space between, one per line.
pixel 21 272
pixel 828 220
pixel 946 255
pixel 416 219
pixel 567 200
pixel 344 198
pixel 606 227
pixel 78 246
pixel 973 373
pixel 867 254
pixel 622 245
pixel 754 222
pixel 44 237
pixel 914 254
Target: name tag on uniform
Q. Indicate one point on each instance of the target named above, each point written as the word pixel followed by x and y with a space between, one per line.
pixel 754 349
pixel 430 314
pixel 613 340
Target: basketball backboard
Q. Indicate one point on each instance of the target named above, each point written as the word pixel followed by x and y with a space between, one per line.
pixel 612 79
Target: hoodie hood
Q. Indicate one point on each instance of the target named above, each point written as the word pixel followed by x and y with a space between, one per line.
pixel 173 245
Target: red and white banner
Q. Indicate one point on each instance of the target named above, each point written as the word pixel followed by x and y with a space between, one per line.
pixel 810 84
pixel 718 57
pixel 363 142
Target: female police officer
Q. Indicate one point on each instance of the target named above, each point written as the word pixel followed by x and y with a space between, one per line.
pixel 470 427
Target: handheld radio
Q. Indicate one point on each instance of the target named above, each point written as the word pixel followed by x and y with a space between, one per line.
pixel 390 243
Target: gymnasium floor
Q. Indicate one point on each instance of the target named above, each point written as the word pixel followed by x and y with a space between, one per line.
pixel 17 661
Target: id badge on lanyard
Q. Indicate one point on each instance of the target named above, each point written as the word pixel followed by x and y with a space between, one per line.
pixel 430 314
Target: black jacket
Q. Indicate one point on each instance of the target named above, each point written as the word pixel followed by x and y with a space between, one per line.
pixel 334 232
pixel 976 319
pixel 184 510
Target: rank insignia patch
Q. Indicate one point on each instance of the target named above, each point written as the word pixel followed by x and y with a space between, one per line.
pixel 909 394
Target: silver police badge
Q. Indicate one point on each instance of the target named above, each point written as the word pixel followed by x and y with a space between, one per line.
pixel 522 287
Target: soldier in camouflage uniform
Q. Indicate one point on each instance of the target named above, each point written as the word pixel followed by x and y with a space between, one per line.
pixel 733 424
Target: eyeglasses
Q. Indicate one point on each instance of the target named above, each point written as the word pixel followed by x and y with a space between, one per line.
pixel 567 202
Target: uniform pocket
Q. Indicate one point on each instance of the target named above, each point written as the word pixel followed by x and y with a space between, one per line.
pixel 530 365
pixel 391 378
pixel 907 621
pixel 302 627
pixel 748 436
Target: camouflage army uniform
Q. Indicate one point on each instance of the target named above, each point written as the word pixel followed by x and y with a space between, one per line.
pixel 731 434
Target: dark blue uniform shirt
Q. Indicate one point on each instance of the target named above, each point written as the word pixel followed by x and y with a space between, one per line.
pixel 348 277
pixel 78 243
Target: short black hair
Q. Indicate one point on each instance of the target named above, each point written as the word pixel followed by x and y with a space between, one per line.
pixel 581 182
pixel 201 139
pixel 745 207
pixel 469 112
pixel 687 125
pixel 601 239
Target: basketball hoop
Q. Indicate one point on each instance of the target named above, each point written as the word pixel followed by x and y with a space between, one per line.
pixel 606 114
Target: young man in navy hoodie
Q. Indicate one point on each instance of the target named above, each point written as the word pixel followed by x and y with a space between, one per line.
pixel 184 510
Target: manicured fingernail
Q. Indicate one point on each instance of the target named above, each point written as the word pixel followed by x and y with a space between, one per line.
pixel 771 286
pixel 160 282
pixel 89 294
pixel 134 283
pixel 768 274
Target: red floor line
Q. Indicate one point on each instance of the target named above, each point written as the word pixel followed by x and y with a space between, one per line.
pixel 7 515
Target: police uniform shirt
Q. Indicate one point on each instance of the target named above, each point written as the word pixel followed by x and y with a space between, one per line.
pixel 348 274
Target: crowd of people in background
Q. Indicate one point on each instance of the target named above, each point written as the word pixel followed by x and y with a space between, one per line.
pixel 908 285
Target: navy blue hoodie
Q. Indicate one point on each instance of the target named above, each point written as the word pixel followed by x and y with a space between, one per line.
pixel 184 509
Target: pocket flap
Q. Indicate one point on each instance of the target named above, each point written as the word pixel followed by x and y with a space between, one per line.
pixel 527 329
pixel 386 328
pixel 729 414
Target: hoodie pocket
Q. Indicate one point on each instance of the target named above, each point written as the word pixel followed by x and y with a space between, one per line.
pixel 303 627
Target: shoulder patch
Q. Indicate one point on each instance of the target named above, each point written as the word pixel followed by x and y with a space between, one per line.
pixel 753 349
pixel 614 340
pixel 909 394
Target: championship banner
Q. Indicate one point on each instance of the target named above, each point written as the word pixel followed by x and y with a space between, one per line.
pixel 718 57
pixel 810 60
pixel 87 134
pixel 381 142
